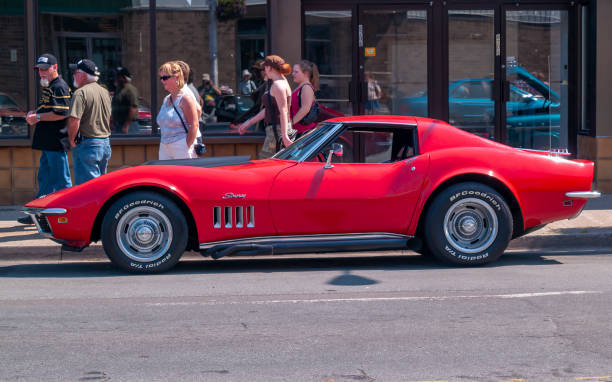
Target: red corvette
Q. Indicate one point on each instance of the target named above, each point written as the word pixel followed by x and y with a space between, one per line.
pixel 353 183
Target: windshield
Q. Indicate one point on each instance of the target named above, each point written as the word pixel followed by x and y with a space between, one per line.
pixel 306 143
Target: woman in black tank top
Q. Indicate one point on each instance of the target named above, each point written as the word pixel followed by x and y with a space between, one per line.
pixel 275 112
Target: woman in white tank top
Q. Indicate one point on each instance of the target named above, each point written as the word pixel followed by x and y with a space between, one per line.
pixel 178 116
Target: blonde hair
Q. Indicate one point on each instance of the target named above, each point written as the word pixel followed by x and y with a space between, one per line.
pixel 277 63
pixel 171 67
pixel 312 70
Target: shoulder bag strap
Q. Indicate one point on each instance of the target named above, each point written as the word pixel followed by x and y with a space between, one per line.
pixel 179 115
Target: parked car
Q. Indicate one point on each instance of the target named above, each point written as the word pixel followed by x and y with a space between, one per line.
pixel 434 188
pixel 533 109
pixel 12 117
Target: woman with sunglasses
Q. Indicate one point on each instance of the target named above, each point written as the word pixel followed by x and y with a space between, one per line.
pixel 178 116
pixel 275 113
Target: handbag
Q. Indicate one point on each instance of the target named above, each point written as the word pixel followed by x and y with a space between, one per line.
pixel 198 147
pixel 313 114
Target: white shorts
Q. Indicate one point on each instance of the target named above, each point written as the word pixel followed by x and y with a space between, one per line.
pixel 176 150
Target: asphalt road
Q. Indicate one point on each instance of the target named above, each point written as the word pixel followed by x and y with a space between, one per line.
pixel 528 317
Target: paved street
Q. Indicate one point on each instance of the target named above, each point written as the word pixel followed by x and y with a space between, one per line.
pixel 532 316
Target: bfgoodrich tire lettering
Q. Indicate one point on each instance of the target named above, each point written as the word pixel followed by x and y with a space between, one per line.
pixel 468 223
pixel 144 232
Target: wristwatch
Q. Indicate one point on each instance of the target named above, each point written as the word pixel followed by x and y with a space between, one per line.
pixel 37 117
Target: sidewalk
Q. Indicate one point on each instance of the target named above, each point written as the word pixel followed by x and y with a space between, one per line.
pixel 592 229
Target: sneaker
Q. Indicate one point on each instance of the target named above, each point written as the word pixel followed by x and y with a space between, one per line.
pixel 25 220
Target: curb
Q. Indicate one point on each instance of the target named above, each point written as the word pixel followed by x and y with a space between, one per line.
pixel 562 241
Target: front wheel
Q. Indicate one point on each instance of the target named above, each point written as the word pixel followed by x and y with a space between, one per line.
pixel 469 224
pixel 144 232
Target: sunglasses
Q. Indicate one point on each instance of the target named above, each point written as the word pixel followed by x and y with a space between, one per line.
pixel 164 78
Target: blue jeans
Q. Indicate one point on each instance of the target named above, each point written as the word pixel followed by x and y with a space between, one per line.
pixel 53 172
pixel 90 159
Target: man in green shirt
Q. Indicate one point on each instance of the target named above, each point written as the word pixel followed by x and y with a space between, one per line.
pixel 89 118
pixel 125 103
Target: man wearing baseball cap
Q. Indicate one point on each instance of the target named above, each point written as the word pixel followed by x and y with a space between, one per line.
pixel 51 130
pixel 90 114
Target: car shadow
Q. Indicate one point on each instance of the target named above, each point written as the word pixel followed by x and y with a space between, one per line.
pixel 412 262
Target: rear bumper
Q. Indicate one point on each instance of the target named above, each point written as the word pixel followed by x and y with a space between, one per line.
pixel 583 194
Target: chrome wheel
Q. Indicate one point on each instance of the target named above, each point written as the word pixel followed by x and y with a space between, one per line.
pixel 470 225
pixel 144 234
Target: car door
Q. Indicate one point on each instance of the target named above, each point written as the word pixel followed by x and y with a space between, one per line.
pixel 368 194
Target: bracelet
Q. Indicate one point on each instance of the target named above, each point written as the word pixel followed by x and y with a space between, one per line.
pixel 37 117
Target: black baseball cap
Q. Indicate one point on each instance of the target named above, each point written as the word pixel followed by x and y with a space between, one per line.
pixel 45 61
pixel 122 71
pixel 88 66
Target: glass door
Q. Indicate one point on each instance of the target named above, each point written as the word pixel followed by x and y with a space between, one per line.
pixel 537 78
pixel 392 60
pixel 328 42
pixel 472 50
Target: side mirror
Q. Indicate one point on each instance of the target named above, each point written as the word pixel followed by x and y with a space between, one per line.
pixel 335 149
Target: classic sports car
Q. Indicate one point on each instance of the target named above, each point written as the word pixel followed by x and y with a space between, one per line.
pixel 410 183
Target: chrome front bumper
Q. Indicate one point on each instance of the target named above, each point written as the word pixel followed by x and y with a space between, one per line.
pixel 39 216
pixel 583 194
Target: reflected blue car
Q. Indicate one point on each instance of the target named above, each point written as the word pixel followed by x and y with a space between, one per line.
pixel 532 111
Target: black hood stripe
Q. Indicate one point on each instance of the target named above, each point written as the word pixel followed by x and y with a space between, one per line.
pixel 203 162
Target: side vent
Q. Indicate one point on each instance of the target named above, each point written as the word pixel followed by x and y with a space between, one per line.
pixel 250 216
pixel 228 217
pixel 217 217
pixel 245 217
pixel 239 217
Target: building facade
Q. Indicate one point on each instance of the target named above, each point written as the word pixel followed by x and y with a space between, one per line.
pixel 529 74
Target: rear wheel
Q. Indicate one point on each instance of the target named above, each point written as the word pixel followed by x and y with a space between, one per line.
pixel 144 232
pixel 468 223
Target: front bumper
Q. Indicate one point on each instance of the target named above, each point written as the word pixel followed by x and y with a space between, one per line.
pixel 39 216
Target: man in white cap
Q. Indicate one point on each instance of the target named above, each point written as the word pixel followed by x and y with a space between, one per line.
pixel 247 85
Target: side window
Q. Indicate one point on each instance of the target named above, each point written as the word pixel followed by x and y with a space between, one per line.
pixel 376 145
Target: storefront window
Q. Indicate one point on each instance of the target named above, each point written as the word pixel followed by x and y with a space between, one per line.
pixel 114 35
pixel 240 41
pixel 13 71
pixel 328 42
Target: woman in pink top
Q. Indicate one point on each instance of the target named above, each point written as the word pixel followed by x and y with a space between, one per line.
pixel 306 75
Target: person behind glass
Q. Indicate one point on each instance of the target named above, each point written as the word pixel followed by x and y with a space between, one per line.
pixel 208 93
pixel 178 116
pixel 50 134
pixel 374 94
pixel 90 114
pixel 306 75
pixel 275 111
pixel 247 85
pixel 124 103
pixel 262 83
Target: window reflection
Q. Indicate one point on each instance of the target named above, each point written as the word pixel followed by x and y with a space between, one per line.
pixel 471 67
pixel 13 72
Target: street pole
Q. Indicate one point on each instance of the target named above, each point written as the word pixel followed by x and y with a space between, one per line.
pixel 212 41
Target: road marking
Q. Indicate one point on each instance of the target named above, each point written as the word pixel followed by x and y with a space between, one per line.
pixel 375 299
pixel 595 379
